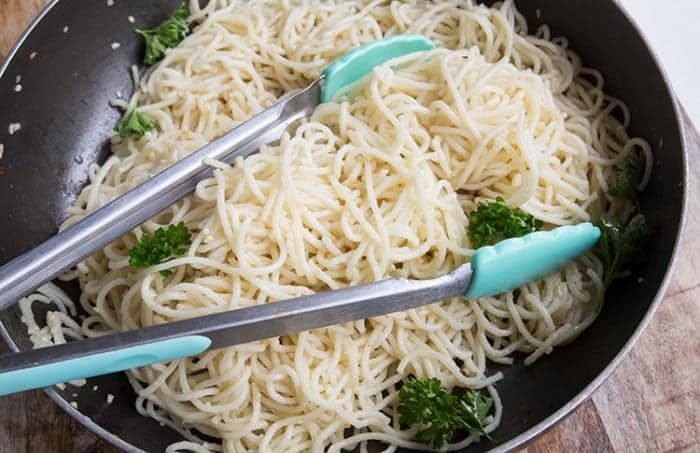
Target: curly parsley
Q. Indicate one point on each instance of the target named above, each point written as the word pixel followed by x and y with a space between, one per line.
pixel 621 246
pixel 165 36
pixel 135 123
pixel 494 221
pixel 629 175
pixel 441 414
pixel 162 246
pixel 473 409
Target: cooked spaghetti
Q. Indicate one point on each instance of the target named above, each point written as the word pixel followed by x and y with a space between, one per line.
pixel 379 184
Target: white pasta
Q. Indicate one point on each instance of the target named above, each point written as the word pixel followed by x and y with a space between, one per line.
pixel 378 184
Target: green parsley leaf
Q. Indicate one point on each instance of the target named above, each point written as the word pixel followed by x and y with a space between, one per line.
pixel 494 221
pixel 473 409
pixel 621 245
pixel 439 413
pixel 629 174
pixel 165 36
pixel 135 123
pixel 162 246
pixel 427 404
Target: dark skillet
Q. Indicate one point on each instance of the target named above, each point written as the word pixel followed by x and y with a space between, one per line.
pixel 66 120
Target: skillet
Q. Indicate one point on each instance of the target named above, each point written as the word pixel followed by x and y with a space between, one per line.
pixel 69 78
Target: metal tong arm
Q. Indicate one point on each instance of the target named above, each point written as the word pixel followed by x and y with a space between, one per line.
pixel 121 351
pixel 27 272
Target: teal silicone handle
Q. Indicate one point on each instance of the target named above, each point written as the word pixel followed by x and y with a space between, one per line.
pixel 359 62
pixel 102 363
pixel 514 262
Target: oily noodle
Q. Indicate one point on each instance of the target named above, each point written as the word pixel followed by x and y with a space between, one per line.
pixel 377 185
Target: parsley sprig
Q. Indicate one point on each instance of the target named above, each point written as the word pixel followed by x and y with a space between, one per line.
pixel 165 36
pixel 494 221
pixel 473 409
pixel 162 246
pixel 629 175
pixel 623 244
pixel 439 413
pixel 135 123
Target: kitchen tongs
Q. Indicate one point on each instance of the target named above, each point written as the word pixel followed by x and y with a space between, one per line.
pixel 492 270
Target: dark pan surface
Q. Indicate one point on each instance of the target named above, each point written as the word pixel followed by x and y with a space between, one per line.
pixel 65 117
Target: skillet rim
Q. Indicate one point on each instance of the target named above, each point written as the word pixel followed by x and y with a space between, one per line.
pixel 83 419
pixel 526 437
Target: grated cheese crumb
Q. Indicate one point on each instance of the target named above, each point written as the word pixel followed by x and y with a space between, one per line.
pixel 110 2
pixel 13 127
pixel 2 150
pixel 115 45
pixel 131 19
pixel 74 404
pixel 18 88
pixel 18 79
pixel 78 383
pixel 65 29
pixel 118 94
pixel 94 388
pixel 110 398
pixel 32 55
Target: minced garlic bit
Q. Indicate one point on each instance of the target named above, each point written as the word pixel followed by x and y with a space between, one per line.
pixel 110 2
pixel 65 29
pixel 115 45
pixel 32 55
pixel 94 388
pixel 13 127
pixel 110 398
pixel 131 19
pixel 2 150
pixel 74 404
pixel 18 88
pixel 18 79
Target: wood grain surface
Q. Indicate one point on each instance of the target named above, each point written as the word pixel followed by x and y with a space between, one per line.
pixel 651 403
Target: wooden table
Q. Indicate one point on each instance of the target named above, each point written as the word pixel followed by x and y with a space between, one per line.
pixel 650 403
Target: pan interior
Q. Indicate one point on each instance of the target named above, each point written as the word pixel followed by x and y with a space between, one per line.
pixel 66 120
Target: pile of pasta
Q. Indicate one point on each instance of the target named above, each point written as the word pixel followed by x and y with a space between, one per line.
pixel 380 183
